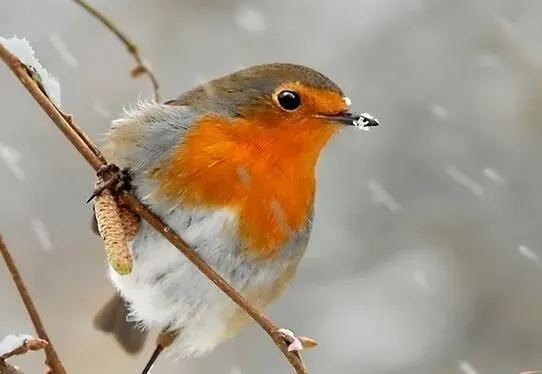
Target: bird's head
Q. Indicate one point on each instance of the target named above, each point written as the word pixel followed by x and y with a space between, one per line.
pixel 281 103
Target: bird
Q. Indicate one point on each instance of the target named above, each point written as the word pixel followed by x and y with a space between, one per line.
pixel 230 166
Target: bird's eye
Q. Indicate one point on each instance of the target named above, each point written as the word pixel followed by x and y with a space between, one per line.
pixel 289 100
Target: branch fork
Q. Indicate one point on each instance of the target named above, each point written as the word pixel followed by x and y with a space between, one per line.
pixel 17 345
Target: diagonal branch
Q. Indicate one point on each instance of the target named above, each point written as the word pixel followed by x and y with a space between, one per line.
pixel 141 67
pixel 51 357
pixel 85 147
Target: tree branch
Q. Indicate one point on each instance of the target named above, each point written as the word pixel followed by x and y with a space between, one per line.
pixel 91 154
pixel 51 357
pixel 23 344
pixel 141 67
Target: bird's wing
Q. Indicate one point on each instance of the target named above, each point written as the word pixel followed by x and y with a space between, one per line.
pixel 146 135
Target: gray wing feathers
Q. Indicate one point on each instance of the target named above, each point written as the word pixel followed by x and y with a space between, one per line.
pixel 146 134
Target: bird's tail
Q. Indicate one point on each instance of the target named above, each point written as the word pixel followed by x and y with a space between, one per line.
pixel 112 319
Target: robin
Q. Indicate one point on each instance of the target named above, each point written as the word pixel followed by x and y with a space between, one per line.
pixel 230 166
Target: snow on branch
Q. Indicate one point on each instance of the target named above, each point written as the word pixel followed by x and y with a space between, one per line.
pixel 14 345
pixel 24 52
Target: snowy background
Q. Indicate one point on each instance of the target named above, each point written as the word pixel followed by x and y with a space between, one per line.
pixel 426 255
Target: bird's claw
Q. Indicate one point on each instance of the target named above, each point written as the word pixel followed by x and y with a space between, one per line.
pixel 113 178
pixel 294 344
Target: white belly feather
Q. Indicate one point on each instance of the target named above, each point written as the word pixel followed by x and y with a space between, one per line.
pixel 166 289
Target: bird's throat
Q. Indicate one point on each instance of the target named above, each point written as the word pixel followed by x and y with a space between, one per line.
pixel 265 174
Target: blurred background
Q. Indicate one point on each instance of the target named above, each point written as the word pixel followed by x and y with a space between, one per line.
pixel 426 250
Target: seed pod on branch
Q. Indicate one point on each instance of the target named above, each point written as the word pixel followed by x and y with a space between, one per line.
pixel 117 225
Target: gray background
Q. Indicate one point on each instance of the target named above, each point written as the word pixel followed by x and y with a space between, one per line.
pixel 426 245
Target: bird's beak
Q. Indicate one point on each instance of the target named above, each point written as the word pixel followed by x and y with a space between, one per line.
pixel 361 121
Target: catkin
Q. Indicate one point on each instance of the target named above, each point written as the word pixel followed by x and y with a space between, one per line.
pixel 129 221
pixel 117 226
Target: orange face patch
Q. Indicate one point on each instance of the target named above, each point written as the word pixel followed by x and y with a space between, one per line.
pixel 315 101
pixel 264 171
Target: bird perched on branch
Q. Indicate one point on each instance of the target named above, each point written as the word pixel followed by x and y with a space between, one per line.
pixel 230 166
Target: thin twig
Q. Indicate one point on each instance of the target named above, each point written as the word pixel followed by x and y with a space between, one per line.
pixel 51 357
pixel 96 162
pixel 142 67
pixel 26 344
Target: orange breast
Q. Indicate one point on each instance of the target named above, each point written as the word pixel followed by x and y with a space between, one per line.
pixel 264 173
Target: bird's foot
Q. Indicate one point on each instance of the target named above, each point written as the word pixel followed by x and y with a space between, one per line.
pixel 112 178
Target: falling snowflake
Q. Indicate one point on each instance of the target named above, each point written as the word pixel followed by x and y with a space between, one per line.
pixel 382 197
pixel 244 176
pixel 494 176
pixel 250 19
pixel 100 108
pixel 11 157
pixel 420 279
pixel 464 180
pixel 467 368
pixel 42 234
pixel 63 50
pixel 527 253
pixel 439 111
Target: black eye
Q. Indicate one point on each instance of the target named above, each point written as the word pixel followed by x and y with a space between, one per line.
pixel 289 100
